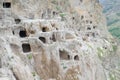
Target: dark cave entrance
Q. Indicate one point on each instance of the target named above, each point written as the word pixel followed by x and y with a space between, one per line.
pixel 26 47
pixel 44 29
pixel 64 55
pixel 17 21
pixel 76 57
pixel 6 5
pixel 23 33
pixel 42 39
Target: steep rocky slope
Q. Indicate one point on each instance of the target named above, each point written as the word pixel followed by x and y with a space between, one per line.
pixel 112 12
pixel 55 40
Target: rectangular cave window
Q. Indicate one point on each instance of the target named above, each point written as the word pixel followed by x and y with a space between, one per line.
pixel 6 5
pixel 26 47
pixel 23 33
pixel 42 39
pixel 44 29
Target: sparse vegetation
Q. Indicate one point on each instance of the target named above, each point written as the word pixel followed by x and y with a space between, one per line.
pixel 54 1
pixel 64 67
pixel 33 73
pixel 100 52
pixel 30 56
pixel 112 76
pixel 89 46
pixel 58 8
pixel 114 48
pixel 62 15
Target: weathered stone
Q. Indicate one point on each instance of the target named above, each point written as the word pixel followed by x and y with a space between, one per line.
pixel 53 40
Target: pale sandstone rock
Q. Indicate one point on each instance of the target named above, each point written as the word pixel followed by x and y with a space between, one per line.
pixel 53 40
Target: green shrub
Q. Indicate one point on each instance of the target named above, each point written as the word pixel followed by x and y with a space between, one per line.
pixel 29 56
pixel 64 67
pixel 58 8
pixel 89 46
pixel 100 52
pixel 54 1
pixel 112 76
pixel 114 48
pixel 62 14
pixel 33 73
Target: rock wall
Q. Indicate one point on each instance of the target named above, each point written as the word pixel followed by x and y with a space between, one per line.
pixel 53 40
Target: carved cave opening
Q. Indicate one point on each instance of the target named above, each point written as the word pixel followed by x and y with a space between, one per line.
pixel 13 32
pixel 53 38
pixel 44 29
pixel 93 34
pixel 76 57
pixel 64 55
pixel 26 47
pixel 6 4
pixel 23 33
pixel 17 21
pixel 88 28
pixel 81 0
pixel 94 27
pixel 82 17
pixel 0 63
pixel 90 22
pixel 42 39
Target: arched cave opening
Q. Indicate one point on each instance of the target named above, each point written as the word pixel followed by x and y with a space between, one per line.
pixel 76 57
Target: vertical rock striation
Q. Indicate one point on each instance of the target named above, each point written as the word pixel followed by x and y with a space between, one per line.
pixel 53 40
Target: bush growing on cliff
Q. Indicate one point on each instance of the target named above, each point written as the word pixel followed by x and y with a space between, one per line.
pixel 100 52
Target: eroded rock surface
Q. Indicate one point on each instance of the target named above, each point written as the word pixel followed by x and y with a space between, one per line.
pixel 53 40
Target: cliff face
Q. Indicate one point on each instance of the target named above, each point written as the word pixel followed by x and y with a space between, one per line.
pixel 54 40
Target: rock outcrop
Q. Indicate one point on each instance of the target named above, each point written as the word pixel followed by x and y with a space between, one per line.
pixel 53 40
